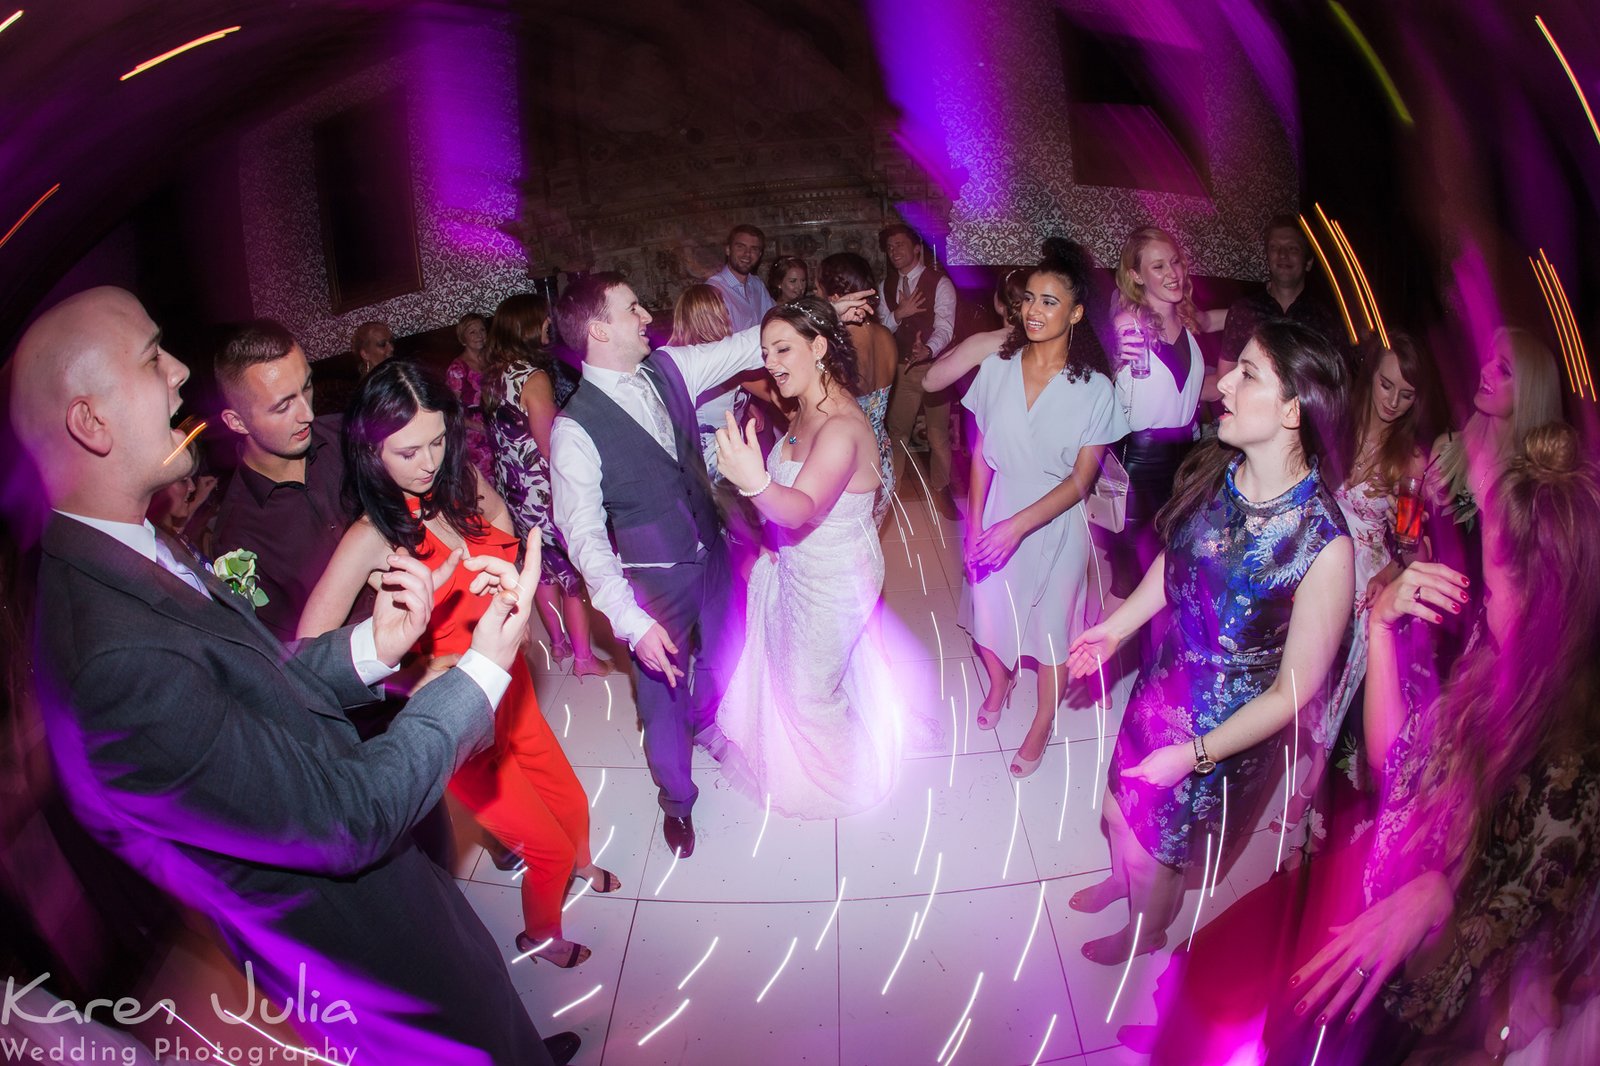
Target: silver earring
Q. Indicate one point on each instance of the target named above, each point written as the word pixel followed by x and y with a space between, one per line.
pixel 820 367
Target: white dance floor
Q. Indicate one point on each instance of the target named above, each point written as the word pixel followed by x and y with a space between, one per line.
pixel 933 928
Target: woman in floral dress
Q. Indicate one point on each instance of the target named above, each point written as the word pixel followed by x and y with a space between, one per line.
pixel 465 378
pixel 520 404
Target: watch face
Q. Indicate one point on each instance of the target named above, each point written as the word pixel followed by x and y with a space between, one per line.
pixel 1204 766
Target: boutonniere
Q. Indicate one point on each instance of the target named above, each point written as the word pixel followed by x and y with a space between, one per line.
pixel 238 570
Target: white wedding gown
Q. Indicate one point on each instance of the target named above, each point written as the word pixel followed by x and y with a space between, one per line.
pixel 810 715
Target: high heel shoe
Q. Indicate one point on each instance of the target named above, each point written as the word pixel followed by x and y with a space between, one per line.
pixel 592 666
pixel 1024 767
pixel 572 955
pixel 989 720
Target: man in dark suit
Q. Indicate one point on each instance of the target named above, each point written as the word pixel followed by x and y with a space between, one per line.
pixel 218 761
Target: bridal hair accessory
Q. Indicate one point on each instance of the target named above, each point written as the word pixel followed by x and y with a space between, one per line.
pixel 822 327
pixel 238 570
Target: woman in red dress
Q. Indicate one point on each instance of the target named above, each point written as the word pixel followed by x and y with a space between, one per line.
pixel 406 466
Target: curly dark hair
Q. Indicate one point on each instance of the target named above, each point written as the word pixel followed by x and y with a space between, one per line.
pixel 389 398
pixel 1069 263
pixel 813 317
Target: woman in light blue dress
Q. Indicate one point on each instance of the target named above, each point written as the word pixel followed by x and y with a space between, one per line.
pixel 1045 410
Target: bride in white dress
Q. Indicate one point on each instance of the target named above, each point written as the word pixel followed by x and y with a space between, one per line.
pixel 809 715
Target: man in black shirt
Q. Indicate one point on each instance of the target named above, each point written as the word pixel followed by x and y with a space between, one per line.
pixel 1289 263
pixel 284 502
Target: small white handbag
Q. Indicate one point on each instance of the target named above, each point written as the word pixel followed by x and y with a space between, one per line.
pixel 1107 505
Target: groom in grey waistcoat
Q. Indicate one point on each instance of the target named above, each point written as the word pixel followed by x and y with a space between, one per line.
pixel 634 506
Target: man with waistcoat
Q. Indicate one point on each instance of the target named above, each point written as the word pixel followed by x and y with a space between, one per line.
pixel 634 506
pixel 918 305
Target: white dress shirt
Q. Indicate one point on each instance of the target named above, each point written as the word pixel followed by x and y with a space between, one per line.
pixel 575 495
pixel 363 647
pixel 1155 402
pixel 944 309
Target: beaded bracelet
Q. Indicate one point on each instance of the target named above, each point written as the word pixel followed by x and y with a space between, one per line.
pixel 765 485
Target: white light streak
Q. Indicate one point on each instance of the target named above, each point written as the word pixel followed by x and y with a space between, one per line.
pixel 1100 734
pixel 1066 790
pixel 922 577
pixel 831 916
pixel 587 885
pixel 1283 823
pixel 1200 902
pixel 675 853
pixel 926 823
pixel 1016 816
pixel 533 950
pixel 1045 1042
pixel 1322 1032
pixel 192 1029
pixel 910 935
pixel 938 641
pixel 602 788
pixel 938 868
pixel 606 681
pixel 609 834
pixel 668 1021
pixel 764 816
pixel 1222 829
pixel 696 967
pixel 933 515
pixel 568 727
pixel 302 1051
pixel 1138 927
pixel 1032 929
pixel 774 978
pixel 962 1039
pixel 1055 684
pixel 965 1014
pixel 1016 624
pixel 955 736
pixel 586 997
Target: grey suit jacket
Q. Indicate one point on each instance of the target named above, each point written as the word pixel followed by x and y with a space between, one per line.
pixel 220 764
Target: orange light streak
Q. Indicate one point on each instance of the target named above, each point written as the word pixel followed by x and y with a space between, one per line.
pixel 182 48
pixel 1333 279
pixel 14 16
pixel 1573 78
pixel 1555 316
pixel 1366 287
pixel 1355 285
pixel 29 213
pixel 1572 324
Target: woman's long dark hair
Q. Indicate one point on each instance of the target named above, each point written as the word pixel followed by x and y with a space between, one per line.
pixel 1069 263
pixel 812 317
pixel 1308 369
pixel 1413 430
pixel 389 398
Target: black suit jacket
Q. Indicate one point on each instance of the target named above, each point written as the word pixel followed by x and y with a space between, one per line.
pixel 221 764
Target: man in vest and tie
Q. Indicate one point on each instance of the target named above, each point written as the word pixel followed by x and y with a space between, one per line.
pixel 918 304
pixel 630 496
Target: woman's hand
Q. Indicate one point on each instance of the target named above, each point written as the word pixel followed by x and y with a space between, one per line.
pixel 1093 647
pixel 1164 767
pixel 1380 581
pixel 1366 952
pixel 1420 588
pixel 998 543
pixel 739 455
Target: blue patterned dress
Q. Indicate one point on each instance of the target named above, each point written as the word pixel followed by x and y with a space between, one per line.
pixel 875 405
pixel 1231 575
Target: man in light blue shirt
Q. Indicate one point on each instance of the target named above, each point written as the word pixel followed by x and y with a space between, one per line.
pixel 741 289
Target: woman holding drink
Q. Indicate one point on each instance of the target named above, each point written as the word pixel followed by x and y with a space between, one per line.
pixel 1158 384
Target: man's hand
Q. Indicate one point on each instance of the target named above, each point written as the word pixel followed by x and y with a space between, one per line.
pixel 920 352
pixel 405 603
pixel 853 308
pixel 655 651
pixel 911 305
pixel 504 624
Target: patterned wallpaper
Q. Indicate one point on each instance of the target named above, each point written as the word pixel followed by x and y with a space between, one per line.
pixel 1005 122
pixel 466 161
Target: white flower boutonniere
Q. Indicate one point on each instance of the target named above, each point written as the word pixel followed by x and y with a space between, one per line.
pixel 238 570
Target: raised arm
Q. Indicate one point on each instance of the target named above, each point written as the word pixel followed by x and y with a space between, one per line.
pixel 361 551
pixel 833 460
pixel 1423 590
pixel 954 363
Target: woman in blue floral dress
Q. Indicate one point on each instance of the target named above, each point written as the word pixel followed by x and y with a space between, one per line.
pixel 1252 523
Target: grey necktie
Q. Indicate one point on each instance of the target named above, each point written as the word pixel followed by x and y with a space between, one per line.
pixel 659 425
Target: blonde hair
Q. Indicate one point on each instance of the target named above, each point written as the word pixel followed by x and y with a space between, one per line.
pixel 1131 294
pixel 1535 401
pixel 699 316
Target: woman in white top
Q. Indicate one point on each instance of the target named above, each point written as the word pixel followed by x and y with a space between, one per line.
pixel 1159 377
